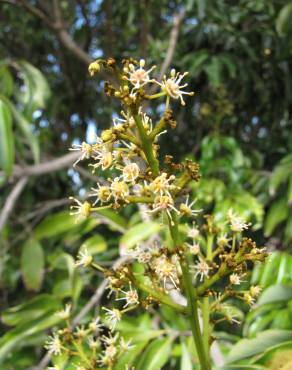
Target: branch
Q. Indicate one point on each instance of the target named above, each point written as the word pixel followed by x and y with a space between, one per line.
pixel 58 27
pixel 45 167
pixel 177 20
pixel 11 200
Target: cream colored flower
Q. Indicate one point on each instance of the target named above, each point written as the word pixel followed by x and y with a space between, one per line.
pixel 86 151
pixel 138 76
pixel 81 210
pixel 84 258
pixel 172 86
pixel 119 189
pixel 131 172
pixel 53 345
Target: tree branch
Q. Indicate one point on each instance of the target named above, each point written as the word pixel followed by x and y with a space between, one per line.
pixel 174 33
pixel 11 200
pixel 45 167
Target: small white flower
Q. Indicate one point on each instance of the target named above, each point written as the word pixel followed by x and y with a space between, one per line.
pixel 126 345
pixel 86 151
pixel 237 224
pixel 194 248
pixel 81 210
pixel 138 76
pixel 93 343
pixel 65 314
pixel 113 317
pixel 255 291
pixel 53 345
pixel 83 258
pixel 172 86
pixel 166 271
pixel 102 194
pixel 119 189
pixel 104 158
pixel 131 172
pixel 193 232
pixel 202 269
pixel 164 203
pixel 186 208
pixel 223 240
pixel 131 297
pixel 162 184
pixel 235 279
pixel 95 325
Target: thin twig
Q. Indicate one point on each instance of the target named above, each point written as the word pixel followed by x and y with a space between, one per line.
pixel 11 200
pixel 173 38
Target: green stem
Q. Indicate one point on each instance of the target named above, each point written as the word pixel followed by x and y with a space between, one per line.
pixel 193 316
pixel 206 303
pixel 155 96
pixel 192 301
pixel 146 145
pixel 159 296
pixel 137 199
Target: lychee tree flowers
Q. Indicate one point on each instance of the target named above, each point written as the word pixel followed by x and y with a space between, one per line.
pixel 197 262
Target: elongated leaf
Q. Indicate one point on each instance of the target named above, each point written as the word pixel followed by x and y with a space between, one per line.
pixel 186 361
pixel 30 310
pixel 113 219
pixel 6 139
pixel 137 234
pixel 17 337
pixel 156 354
pixel 32 264
pixel 27 129
pixel 275 293
pixel 54 225
pixel 37 86
pixel 95 244
pixel 276 214
pixel 283 22
pixel 249 347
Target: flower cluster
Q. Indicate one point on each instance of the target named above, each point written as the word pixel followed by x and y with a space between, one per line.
pixel 102 348
pixel 189 255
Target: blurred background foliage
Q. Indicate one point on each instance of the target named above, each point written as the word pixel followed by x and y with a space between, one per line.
pixel 238 127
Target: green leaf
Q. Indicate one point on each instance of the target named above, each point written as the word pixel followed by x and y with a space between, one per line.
pixel 275 293
pixel 27 129
pixel 186 361
pixel 276 214
pixel 137 234
pixel 37 86
pixel 6 139
pixel 249 347
pixel 6 81
pixel 30 310
pixel 54 225
pixel 94 245
pixel 18 336
pixel 156 354
pixel 128 358
pixel 283 21
pixel 113 219
pixel 32 264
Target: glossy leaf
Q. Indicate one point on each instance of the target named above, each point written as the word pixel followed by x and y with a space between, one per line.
pixel 249 347
pixel 156 354
pixel 6 139
pixel 137 234
pixel 32 264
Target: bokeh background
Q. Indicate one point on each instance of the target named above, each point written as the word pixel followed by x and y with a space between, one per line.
pixel 238 127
